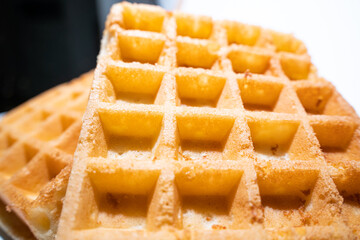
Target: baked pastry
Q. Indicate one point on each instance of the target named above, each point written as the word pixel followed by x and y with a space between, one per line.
pixel 37 143
pixel 11 226
pixel 202 129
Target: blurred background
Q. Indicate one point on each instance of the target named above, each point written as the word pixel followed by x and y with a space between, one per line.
pixel 47 42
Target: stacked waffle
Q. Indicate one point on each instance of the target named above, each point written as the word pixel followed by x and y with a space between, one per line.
pixel 37 143
pixel 210 129
pixel 195 129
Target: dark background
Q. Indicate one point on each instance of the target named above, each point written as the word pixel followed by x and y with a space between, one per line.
pixel 47 42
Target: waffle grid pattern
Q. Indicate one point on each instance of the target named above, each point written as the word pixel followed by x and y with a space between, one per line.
pixel 37 143
pixel 210 129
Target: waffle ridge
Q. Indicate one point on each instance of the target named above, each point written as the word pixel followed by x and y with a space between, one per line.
pixel 202 129
pixel 37 142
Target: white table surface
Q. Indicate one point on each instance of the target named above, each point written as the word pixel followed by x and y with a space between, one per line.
pixel 330 30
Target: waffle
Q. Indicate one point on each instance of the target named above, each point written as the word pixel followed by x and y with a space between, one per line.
pixel 11 227
pixel 37 143
pixel 202 129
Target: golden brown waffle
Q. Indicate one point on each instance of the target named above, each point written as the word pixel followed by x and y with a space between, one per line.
pixel 11 227
pixel 202 129
pixel 37 143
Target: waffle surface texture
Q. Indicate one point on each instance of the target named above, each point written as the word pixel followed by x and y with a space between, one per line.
pixel 202 129
pixel 37 144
